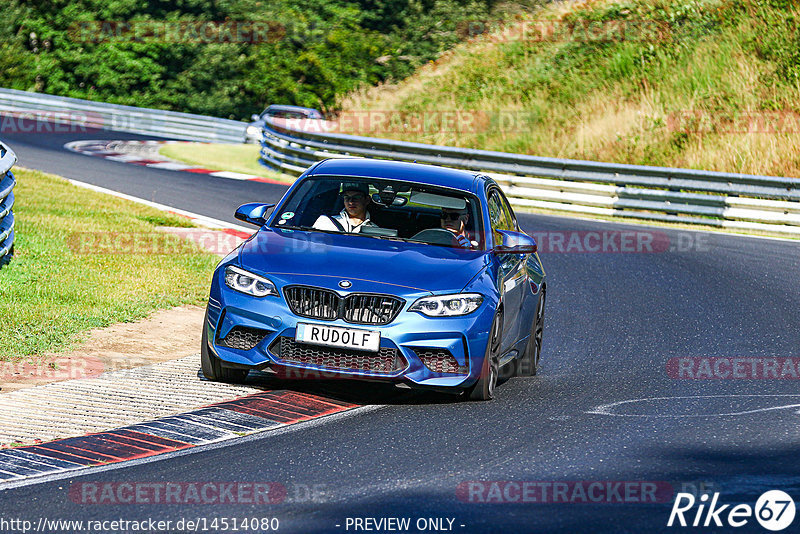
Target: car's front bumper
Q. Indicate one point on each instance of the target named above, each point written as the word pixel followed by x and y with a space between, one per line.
pixel 414 336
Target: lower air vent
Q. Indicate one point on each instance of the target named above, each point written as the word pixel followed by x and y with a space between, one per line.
pixel 242 338
pixel 386 361
pixel 440 361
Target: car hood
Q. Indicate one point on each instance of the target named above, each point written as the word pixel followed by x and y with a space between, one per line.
pixel 294 256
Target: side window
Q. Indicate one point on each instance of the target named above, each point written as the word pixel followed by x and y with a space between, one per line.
pixel 499 216
pixel 511 221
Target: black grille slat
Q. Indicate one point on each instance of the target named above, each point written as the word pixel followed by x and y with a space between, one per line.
pixel 333 305
pixel 358 308
pixel 372 309
pixel 364 310
pixel 385 361
pixel 312 302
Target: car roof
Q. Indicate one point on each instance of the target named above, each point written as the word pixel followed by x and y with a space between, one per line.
pixel 398 170
pixel 286 107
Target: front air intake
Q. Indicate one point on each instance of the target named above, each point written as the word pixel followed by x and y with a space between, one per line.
pixel 440 361
pixel 242 338
pixel 385 361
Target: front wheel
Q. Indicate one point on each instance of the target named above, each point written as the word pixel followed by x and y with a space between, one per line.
pixel 483 389
pixel 211 365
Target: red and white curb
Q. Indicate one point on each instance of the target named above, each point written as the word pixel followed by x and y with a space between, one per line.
pixel 217 422
pixel 63 424
pixel 145 153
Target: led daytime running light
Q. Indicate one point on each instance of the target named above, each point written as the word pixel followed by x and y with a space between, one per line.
pixel 245 282
pixel 448 305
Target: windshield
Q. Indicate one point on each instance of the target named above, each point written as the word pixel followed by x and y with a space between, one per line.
pixel 386 209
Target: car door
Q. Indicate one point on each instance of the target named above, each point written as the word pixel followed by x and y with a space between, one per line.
pixel 511 268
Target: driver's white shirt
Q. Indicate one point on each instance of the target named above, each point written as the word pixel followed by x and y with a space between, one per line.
pixel 323 222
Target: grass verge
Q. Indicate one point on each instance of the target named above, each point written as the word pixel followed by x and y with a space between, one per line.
pixel 702 84
pixel 57 286
pixel 224 157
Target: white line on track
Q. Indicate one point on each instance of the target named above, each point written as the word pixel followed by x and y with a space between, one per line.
pixel 606 409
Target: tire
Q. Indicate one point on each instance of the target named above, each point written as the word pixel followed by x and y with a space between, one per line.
pixel 529 364
pixel 212 367
pixel 483 389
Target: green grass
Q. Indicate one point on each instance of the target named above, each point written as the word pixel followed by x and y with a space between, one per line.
pixel 224 157
pixel 624 101
pixel 52 290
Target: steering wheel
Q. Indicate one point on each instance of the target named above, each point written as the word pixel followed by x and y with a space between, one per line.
pixel 437 236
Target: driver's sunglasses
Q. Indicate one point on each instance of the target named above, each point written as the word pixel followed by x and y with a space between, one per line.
pixel 357 198
pixel 451 216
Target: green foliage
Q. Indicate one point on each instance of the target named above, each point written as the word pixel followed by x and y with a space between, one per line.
pixel 318 50
pixel 684 86
pixel 59 284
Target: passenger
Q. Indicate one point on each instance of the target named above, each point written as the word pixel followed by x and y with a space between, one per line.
pixel 456 222
pixel 354 216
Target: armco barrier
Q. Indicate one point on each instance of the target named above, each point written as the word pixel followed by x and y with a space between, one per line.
pixel 26 106
pixel 7 160
pixel 738 201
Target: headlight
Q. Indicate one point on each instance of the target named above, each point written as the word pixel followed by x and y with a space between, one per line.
pixel 253 131
pixel 241 280
pixel 447 305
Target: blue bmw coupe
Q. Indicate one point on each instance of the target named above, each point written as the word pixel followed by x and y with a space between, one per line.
pixel 380 270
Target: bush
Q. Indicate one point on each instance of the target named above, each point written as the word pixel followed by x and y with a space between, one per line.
pixel 322 50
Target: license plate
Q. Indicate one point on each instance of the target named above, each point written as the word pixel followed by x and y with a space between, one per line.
pixel 336 336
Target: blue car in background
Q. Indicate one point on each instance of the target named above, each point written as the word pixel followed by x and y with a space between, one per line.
pixel 434 286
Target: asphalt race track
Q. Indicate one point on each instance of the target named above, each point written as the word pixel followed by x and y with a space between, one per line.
pixel 614 321
pixel 188 191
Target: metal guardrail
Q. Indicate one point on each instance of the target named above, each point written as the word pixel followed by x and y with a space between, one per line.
pixel 102 116
pixel 7 183
pixel 738 201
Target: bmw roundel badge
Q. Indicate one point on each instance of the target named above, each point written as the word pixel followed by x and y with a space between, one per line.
pixel 345 284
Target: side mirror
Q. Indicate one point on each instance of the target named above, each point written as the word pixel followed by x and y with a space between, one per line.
pixel 515 243
pixel 253 213
pixel 254 117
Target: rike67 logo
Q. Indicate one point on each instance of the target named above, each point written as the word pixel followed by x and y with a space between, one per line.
pixel 774 510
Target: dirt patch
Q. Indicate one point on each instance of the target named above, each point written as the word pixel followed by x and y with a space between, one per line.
pixel 165 335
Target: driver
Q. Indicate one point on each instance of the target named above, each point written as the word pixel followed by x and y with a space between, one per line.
pixel 455 221
pixel 354 216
